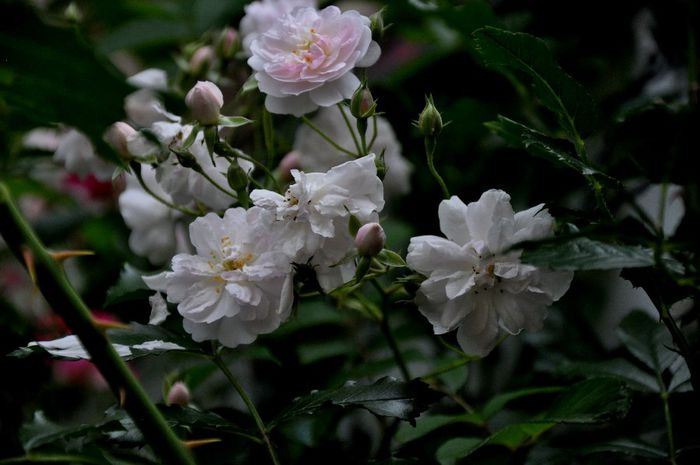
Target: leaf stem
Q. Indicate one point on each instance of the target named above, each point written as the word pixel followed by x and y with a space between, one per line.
pixel 430 145
pixel 349 126
pixel 325 137
pixel 139 177
pixel 61 296
pixel 249 404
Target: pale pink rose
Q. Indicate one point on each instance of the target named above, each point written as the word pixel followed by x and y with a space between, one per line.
pixel 305 60
pixel 261 16
pixel 205 101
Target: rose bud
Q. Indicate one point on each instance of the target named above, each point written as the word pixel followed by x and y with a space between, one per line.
pixel 430 120
pixel 205 101
pixel 179 394
pixel 370 239
pixel 201 60
pixel 362 104
pixel 118 135
pixel 227 44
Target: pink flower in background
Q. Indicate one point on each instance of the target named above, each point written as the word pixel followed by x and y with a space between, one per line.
pixel 305 60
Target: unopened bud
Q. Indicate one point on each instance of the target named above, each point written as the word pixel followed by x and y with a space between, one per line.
pixel 118 136
pixel 205 101
pixel 227 44
pixel 376 24
pixel 237 177
pixel 201 60
pixel 291 161
pixel 186 159
pixel 179 394
pixel 370 239
pixel 362 104
pixel 430 121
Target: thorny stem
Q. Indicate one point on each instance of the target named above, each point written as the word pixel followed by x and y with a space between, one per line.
pixel 349 126
pixel 52 282
pixel 325 137
pixel 250 405
pixel 430 145
pixel 160 199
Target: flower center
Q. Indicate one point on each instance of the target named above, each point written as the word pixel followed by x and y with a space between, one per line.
pixel 234 257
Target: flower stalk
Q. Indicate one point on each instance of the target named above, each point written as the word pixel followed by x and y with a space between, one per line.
pixel 54 285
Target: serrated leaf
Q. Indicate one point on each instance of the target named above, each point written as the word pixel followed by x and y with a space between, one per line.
pixel 496 403
pixel 426 424
pixel 390 258
pixel 557 151
pixel 233 121
pixel 196 419
pixel 582 253
pixel 386 397
pixel 647 339
pixel 130 286
pixel 131 343
pixel 620 369
pixel 591 401
pixel 456 448
pixel 680 382
pixel 506 51
pixel 626 447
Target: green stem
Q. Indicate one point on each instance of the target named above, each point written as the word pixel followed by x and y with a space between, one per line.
pixel 325 137
pixel 349 126
pixel 430 145
pixel 216 184
pixel 388 335
pixel 249 404
pixel 374 134
pixel 669 427
pixel 595 185
pixel 269 134
pixel 452 366
pixel 61 296
pixel 226 150
pixel 186 211
pixel 51 458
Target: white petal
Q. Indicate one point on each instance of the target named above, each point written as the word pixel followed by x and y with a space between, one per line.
pixel 297 105
pixel 371 57
pixel 453 220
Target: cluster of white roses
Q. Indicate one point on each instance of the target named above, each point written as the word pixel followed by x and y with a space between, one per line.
pixel 237 281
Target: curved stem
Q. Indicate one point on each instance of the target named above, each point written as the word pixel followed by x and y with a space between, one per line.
pixel 430 145
pixel 349 126
pixel 249 404
pixel 374 133
pixel 160 199
pixel 216 184
pixel 325 137
pixel 61 296
pixel 389 336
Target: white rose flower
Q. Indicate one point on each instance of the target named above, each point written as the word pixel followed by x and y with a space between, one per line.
pixel 261 16
pixel 474 283
pixel 152 224
pixel 239 283
pixel 316 210
pixel 318 155
pixel 185 185
pixel 306 59
pixel 78 154
pixel 143 107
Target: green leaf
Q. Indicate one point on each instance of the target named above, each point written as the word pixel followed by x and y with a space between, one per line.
pixel 426 424
pixel 516 51
pixel 385 397
pixel 499 401
pixel 647 339
pixel 587 254
pixel 129 286
pixel 52 76
pixel 41 431
pixel 557 151
pixel 626 447
pixel 249 85
pixel 620 369
pixel 591 401
pixel 680 382
pixel 233 121
pixel 390 258
pixel 201 420
pixel 456 448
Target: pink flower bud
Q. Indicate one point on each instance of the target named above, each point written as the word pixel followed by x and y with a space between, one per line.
pixel 117 136
pixel 205 101
pixel 228 43
pixel 291 161
pixel 178 395
pixel 201 60
pixel 370 239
